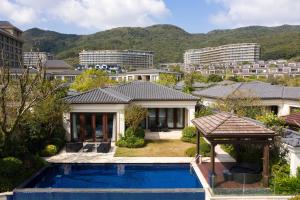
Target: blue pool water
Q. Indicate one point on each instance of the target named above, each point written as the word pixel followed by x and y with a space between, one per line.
pixel 123 176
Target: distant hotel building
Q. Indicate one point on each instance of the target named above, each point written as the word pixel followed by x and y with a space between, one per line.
pixel 33 59
pixel 10 45
pixel 230 53
pixel 124 58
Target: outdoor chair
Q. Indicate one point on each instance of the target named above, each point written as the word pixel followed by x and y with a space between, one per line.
pixel 104 147
pixel 73 146
pixel 88 147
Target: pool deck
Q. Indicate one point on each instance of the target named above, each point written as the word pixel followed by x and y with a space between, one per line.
pixel 94 157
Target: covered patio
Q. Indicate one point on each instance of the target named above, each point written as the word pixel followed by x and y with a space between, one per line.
pixel 227 128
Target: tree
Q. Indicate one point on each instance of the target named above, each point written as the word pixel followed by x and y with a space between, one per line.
pixel 91 79
pixel 188 83
pixel 134 115
pixel 20 95
pixel 214 78
pixel 167 79
pixel 241 103
pixel 175 68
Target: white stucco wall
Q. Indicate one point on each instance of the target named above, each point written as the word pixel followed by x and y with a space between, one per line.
pixel 294 157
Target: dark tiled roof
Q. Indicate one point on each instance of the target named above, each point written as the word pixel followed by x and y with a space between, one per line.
pixel 68 72
pixel 227 124
pixel 97 96
pixel 134 91
pixel 57 64
pixel 151 71
pixel 251 89
pixel 144 90
pixel 291 138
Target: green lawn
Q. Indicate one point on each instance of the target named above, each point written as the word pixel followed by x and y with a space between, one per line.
pixel 156 148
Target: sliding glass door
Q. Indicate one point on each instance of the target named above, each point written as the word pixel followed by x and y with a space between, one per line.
pixel 165 117
pixel 92 126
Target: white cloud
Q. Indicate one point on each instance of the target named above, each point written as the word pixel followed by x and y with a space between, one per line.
pixel 257 12
pixel 17 13
pixel 90 14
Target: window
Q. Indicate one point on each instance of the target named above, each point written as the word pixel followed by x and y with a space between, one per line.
pixel 152 117
pixel 162 117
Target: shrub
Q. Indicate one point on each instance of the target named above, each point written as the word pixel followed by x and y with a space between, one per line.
pixel 50 150
pixel 189 134
pixel 286 185
pixel 298 172
pixel 11 166
pixel 204 111
pixel 139 132
pixel 132 139
pixel 204 150
pixel 271 120
pixel 131 142
pixel 214 78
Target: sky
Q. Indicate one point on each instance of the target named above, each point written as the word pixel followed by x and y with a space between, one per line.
pixel 194 16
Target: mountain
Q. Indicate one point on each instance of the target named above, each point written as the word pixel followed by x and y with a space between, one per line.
pixel 167 41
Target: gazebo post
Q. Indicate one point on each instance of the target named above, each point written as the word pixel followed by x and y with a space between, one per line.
pixel 266 165
pixel 198 146
pixel 212 159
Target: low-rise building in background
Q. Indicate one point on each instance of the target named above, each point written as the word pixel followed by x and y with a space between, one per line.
pixel 36 58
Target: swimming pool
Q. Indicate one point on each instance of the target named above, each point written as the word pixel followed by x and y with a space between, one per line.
pixel 112 181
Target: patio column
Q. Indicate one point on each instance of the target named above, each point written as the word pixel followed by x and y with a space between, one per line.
pixel 105 127
pixel 190 115
pixel 266 165
pixel 94 126
pixel 82 126
pixel 198 146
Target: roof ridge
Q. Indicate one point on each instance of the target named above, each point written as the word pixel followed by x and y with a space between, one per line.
pixel 81 93
pixel 172 89
pixel 111 92
pixel 233 92
pixel 229 115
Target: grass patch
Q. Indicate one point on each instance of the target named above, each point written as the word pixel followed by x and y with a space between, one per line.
pixel 156 148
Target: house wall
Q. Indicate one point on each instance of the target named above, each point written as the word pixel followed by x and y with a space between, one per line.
pixel 283 105
pixel 119 109
pixel 294 156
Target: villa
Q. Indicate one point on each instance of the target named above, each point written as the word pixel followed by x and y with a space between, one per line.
pixel 151 75
pixel 100 113
pixel 279 99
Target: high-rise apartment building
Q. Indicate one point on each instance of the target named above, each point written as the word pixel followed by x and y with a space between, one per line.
pixel 33 59
pixel 11 45
pixel 125 58
pixel 229 53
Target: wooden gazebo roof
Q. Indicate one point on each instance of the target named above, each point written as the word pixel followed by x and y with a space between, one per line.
pixel 229 125
pixel 227 128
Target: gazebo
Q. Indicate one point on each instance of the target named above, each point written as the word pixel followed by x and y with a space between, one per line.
pixel 227 128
